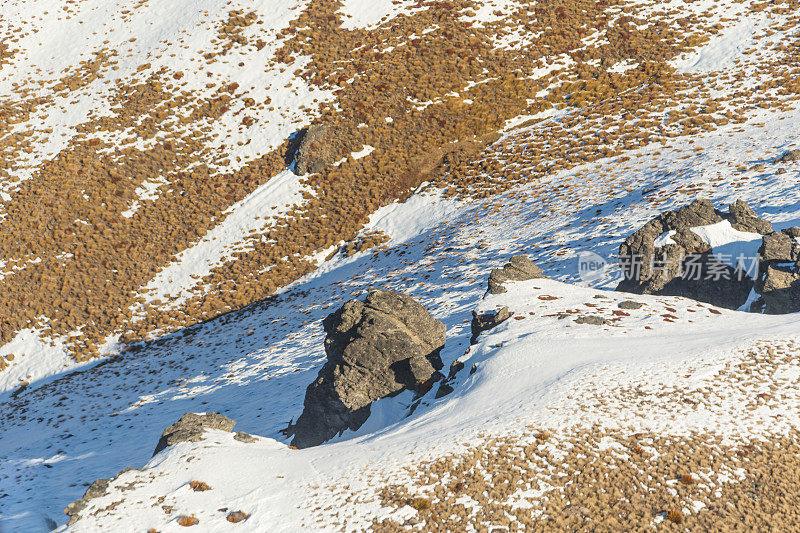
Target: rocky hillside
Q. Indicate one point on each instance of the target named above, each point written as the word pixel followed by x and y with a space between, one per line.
pixel 190 188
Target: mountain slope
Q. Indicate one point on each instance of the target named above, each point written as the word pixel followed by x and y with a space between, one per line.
pixel 570 129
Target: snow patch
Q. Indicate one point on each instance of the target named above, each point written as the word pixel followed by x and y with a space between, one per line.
pixel 731 246
pixel 247 216
pixel 721 52
pixel 664 239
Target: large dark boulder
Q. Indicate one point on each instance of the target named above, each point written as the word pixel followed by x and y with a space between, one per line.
pixel 375 348
pixel 686 266
pixel 518 268
pixel 318 149
pixel 190 428
pixel 779 279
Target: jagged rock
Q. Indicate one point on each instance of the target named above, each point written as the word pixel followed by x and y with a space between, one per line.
pixel 779 247
pixel 97 489
pixel 444 390
pixel 743 218
pixel 375 348
pixel 455 367
pixel 780 271
pixel 791 155
pixel 486 321
pixel 317 150
pixel 685 266
pixel 780 289
pixel 190 428
pixel 518 268
pixel 793 232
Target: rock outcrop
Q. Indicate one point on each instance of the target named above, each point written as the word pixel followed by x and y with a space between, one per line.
pixel 318 149
pixel 375 348
pixel 743 218
pixel 518 268
pixel 791 155
pixel 666 257
pixel 656 260
pixel 97 489
pixel 485 321
pixel 190 428
pixel 779 282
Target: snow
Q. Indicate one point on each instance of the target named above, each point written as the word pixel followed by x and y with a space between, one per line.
pixel 731 246
pixel 493 10
pixel 623 66
pixel 148 190
pixel 664 239
pixel 722 51
pixel 249 215
pixel 364 152
pixel 253 365
pixel 368 14
pixel 171 35
pixel 40 359
pixel 533 368
pixel 402 221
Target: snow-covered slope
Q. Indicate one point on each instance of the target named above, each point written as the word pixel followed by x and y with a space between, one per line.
pixel 71 422
pixel 541 370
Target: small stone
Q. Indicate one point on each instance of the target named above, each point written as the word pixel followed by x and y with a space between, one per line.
pixel 486 321
pixel 591 319
pixel 236 517
pixel 630 304
pixel 241 436
pixel 190 428
pixel 187 521
pixel 455 367
pixel 199 486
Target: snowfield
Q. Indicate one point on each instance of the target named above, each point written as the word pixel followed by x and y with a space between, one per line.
pixel 540 370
